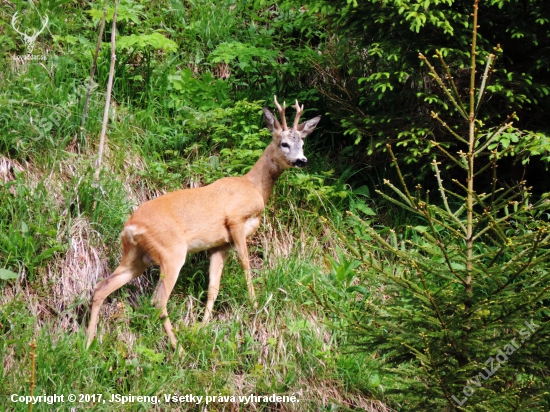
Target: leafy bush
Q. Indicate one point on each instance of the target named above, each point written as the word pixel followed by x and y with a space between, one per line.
pixel 202 93
pixel 379 92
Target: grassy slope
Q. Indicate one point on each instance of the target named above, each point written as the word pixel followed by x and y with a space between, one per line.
pixel 283 348
pixel 60 233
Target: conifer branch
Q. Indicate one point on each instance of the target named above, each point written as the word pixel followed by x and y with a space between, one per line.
pixel 401 179
pixel 444 196
pixel 450 77
pixel 489 68
pixel 451 157
pixel 448 128
pixel 442 85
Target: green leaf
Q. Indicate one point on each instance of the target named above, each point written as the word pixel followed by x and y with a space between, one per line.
pixel 6 274
pixel 363 190
pixel 359 289
pixel 364 208
pixel 46 254
pixel 155 41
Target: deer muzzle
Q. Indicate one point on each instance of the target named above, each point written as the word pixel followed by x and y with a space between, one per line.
pixel 300 162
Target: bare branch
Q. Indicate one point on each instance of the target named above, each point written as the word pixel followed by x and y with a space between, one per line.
pixel 92 71
pixel 108 97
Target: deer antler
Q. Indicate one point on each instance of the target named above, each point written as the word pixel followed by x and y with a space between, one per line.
pixel 299 111
pixel 29 40
pixel 281 112
pixel 44 24
pixel 35 34
pixel 13 22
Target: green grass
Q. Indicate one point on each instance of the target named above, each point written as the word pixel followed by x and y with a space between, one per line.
pixel 283 348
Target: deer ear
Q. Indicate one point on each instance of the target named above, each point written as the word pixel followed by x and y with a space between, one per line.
pixel 271 121
pixel 308 126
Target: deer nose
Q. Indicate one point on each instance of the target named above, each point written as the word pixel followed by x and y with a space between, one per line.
pixel 300 162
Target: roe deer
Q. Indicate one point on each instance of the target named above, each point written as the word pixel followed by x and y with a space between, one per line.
pixel 214 217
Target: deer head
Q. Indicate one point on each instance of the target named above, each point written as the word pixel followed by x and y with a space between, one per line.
pixel 290 141
pixel 29 39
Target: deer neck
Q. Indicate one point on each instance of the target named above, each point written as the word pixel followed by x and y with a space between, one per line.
pixel 265 172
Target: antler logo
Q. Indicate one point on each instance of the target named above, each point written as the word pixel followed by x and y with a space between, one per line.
pixel 29 39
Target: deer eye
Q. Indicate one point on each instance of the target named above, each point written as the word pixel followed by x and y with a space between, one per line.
pixel 285 145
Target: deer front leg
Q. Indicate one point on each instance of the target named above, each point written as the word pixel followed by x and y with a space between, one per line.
pixel 239 239
pixel 217 260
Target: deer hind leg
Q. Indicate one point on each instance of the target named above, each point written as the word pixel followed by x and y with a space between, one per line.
pixel 217 260
pixel 131 267
pixel 238 235
pixel 170 266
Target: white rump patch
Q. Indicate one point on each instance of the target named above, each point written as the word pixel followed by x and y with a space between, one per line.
pixel 251 225
pixel 131 231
